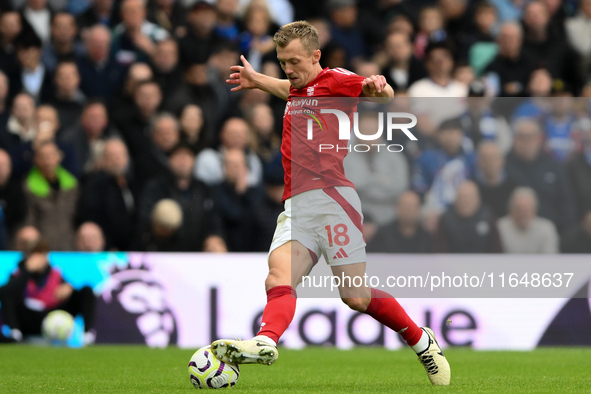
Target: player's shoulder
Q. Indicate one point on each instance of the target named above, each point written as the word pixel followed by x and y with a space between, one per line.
pixel 340 73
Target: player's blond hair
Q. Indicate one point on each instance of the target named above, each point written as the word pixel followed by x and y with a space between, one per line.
pixel 303 30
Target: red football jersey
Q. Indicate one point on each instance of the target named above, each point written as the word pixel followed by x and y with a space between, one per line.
pixel 307 168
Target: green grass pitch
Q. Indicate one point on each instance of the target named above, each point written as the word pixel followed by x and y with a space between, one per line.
pixel 136 369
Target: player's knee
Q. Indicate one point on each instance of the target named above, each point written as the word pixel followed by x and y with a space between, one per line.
pixel 276 278
pixel 357 304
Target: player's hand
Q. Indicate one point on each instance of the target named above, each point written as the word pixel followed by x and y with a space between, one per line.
pixel 243 76
pixel 63 291
pixel 374 85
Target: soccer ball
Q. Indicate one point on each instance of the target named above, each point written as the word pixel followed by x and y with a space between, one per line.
pixel 207 372
pixel 58 326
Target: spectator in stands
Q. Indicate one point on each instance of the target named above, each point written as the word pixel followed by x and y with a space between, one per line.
pixel 439 63
pixel 459 16
pixel 38 15
pixel 135 129
pixel 225 56
pixel 89 134
pixel 46 127
pixel 464 73
pixel 380 177
pixel 10 28
pixel 199 39
pixel 12 197
pixel 168 14
pixel 479 40
pixel 494 186
pixel 51 193
pixel 579 172
pixel 255 41
pixel 21 123
pixel 578 29
pixel 193 129
pixel 404 234
pixel 4 109
pixel 109 197
pixel 163 233
pixel 151 157
pixel 438 172
pixel 560 125
pixel 166 135
pixel 167 71
pixel 439 83
pixel 64 45
pixel 100 12
pixel 539 89
pixel 431 29
pixel 402 68
pixel 528 165
pixel 100 75
pixel 35 289
pixel 261 121
pixel 272 204
pixel 25 238
pixel 89 238
pixel 31 76
pixel 522 231
pixel 228 25
pixel 134 38
pixel 467 226
pixel 508 73
pixel 345 29
pixel 209 166
pixel 541 39
pixel 67 98
pixel 124 104
pixel 196 89
pixel 578 239
pixel 480 123
pixel 238 202
pixel 200 218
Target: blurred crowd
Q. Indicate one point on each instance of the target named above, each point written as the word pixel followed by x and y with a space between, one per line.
pixel 119 132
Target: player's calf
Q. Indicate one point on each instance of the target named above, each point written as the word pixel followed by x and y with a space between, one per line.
pixel 357 304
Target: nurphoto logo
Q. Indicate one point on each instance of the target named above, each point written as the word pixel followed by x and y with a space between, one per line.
pixel 345 130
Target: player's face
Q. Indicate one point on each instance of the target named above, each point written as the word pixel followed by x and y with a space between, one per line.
pixel 299 65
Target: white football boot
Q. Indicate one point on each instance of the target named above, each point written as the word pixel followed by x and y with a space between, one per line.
pixel 252 351
pixel 434 361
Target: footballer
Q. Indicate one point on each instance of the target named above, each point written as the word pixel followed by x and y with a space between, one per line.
pixel 329 219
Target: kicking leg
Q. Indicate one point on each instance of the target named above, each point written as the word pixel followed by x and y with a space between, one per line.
pixel 386 310
pixel 279 311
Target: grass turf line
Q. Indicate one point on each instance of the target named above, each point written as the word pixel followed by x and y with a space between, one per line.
pixel 137 369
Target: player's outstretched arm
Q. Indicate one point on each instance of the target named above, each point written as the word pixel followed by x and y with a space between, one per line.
pixel 376 86
pixel 245 77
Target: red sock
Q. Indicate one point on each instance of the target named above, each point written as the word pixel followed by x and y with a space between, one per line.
pixel 279 311
pixel 385 309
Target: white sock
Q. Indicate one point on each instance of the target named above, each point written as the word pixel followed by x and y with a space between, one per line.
pixel 266 339
pixel 422 344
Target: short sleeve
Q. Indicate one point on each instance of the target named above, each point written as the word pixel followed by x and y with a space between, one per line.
pixel 346 83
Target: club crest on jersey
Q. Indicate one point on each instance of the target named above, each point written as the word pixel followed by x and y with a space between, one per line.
pixel 310 91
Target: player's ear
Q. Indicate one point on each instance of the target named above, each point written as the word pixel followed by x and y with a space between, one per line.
pixel 316 56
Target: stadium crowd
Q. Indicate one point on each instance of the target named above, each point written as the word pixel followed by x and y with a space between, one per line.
pixel 119 132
